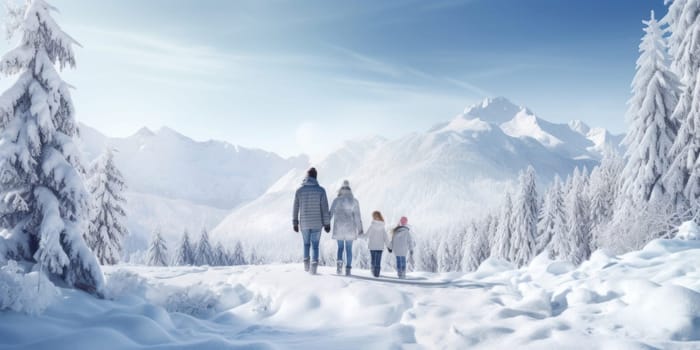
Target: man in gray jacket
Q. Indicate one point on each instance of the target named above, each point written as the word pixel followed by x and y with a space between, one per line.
pixel 310 215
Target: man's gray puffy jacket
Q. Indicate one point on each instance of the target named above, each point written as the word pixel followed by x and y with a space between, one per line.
pixel 310 206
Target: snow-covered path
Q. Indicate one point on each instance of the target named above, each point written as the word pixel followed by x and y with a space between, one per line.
pixel 642 300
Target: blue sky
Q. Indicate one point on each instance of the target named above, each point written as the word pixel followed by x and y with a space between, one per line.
pixel 301 76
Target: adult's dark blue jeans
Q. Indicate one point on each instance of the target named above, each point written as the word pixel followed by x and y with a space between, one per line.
pixel 311 240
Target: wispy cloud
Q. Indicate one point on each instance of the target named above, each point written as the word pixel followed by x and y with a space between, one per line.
pixel 469 86
pixel 370 64
pixel 403 77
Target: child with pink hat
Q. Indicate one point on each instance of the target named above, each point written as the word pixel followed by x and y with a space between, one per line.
pixel 401 245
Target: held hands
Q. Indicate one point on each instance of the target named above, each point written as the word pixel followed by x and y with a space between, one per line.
pixel 327 228
pixel 389 249
pixel 296 228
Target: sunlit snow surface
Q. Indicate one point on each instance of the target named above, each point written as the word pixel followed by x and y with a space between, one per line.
pixel 642 300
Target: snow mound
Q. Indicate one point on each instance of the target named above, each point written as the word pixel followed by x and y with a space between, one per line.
pixel 689 230
pixel 30 293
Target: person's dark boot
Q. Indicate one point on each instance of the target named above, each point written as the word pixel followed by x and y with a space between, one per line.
pixel 314 267
pixel 339 267
pixel 347 271
pixel 307 264
pixel 375 272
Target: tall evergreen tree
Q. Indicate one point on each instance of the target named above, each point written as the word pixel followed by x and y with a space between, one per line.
pixel 107 228
pixel 523 244
pixel 578 236
pixel 677 25
pixel 253 259
pixel 681 19
pixel 238 256
pixel 682 179
pixel 552 217
pixel 43 201
pixel 605 187
pixel 445 254
pixel 427 255
pixel 655 92
pixel 476 248
pixel 185 252
pixel 221 257
pixel 501 245
pixel 204 254
pixel 158 250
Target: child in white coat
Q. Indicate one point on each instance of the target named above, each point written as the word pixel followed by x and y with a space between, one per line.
pixel 377 239
pixel 402 244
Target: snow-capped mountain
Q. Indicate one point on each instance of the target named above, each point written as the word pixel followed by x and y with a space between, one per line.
pixel 453 172
pixel 572 140
pixel 177 183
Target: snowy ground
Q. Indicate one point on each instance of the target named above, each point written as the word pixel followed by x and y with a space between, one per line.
pixel 642 300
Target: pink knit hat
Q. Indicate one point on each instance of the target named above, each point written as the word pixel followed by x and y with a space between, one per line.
pixel 403 221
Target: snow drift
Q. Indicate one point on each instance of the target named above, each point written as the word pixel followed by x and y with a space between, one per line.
pixel 641 300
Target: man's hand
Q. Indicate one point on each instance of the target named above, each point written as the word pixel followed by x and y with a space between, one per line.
pixel 296 228
pixel 388 250
pixel 327 228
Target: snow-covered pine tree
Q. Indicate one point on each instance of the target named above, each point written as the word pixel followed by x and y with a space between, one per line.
pixel 158 251
pixel 488 228
pixel 185 251
pixel 427 255
pixel 445 257
pixel 238 255
pixel 204 255
pixel 605 187
pixel 578 247
pixel 106 228
pixel 501 244
pixel 221 257
pixel 253 259
pixel 604 193
pixel 492 231
pixel 552 215
pixel 652 130
pixel 523 243
pixel 459 241
pixel 476 248
pixel 681 19
pixel 562 245
pixel 44 204
pixel 682 181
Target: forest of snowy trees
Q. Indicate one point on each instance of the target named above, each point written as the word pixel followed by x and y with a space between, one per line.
pixel 196 254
